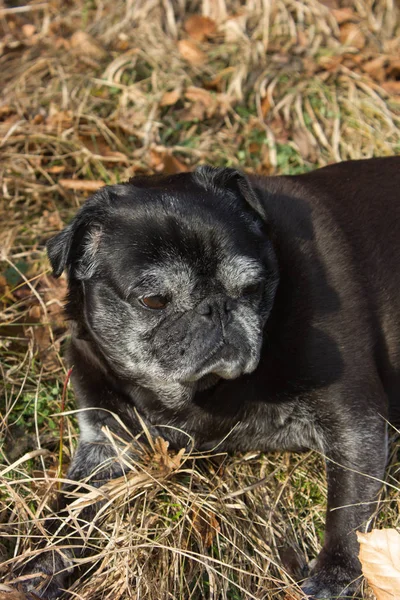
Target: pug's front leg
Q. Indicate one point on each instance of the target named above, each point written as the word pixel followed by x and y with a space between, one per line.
pixel 96 463
pixel 356 459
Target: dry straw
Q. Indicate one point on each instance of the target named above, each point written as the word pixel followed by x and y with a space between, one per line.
pixel 99 91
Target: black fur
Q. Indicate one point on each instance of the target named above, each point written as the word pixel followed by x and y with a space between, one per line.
pixel 295 345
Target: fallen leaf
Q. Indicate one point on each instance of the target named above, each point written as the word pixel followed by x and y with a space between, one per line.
pixel 164 162
pixel 5 111
pixel 344 15
pixel 254 147
pixel 391 87
pixel 190 51
pixel 196 93
pixel 351 35
pixel 375 68
pixel 330 3
pixel 195 112
pixel 380 560
pixel 100 148
pixel 206 525
pixel 86 44
pixel 81 185
pixel 279 130
pixel 216 82
pixel 168 461
pixel 199 27
pixel 170 98
pixel 28 29
pixel 204 103
pixel 304 143
pixel 38 119
pixel 55 169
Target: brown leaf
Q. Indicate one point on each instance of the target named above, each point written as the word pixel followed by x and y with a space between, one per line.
pixel 81 185
pixel 351 35
pixel 206 525
pixel 279 130
pixel 55 169
pixel 200 94
pixel 330 3
pixel 167 461
pixel 172 165
pixel 191 52
pixel 380 560
pixel 170 98
pixel 344 15
pixel 304 143
pixel 204 103
pixel 254 147
pixel 5 111
pixel 391 87
pixel 265 106
pixel 375 68
pixel 164 162
pixel 216 82
pixel 28 30
pixel 98 146
pixel 199 27
pixel 83 43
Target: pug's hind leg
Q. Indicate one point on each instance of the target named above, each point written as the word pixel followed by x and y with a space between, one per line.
pixel 94 463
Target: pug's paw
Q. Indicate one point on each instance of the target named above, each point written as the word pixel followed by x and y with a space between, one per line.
pixel 46 575
pixel 331 584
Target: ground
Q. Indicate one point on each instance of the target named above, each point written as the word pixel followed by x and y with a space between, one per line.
pixel 96 92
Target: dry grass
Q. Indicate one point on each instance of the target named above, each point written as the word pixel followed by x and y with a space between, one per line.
pixel 274 87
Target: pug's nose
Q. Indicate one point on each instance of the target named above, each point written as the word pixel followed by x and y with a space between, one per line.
pixel 217 309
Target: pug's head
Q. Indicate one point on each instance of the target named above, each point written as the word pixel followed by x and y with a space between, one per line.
pixel 172 278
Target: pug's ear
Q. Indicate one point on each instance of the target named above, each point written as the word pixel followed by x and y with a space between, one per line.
pixel 75 247
pixel 223 179
pixel 58 249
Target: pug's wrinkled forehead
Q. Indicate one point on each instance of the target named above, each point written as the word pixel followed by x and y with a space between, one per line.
pixel 179 250
pixel 176 230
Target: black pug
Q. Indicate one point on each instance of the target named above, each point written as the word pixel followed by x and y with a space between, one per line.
pixel 261 311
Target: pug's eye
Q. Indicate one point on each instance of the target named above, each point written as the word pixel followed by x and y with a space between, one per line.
pixel 157 302
pixel 252 289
